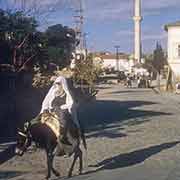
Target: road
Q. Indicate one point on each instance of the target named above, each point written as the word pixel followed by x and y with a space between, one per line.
pixel 131 134
pixel 145 125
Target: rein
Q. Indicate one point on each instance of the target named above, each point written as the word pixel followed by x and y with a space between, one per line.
pixel 22 134
pixel 27 137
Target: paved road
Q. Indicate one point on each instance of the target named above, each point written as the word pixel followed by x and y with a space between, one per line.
pixel 131 134
pixel 149 146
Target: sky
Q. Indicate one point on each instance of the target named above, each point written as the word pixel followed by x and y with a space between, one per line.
pixel 109 22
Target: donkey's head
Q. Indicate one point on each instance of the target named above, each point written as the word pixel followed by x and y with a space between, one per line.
pixel 23 139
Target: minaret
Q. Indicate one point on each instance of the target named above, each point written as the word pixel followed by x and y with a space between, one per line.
pixel 137 31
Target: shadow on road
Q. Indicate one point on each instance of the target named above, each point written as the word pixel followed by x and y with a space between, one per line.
pixel 7 154
pixel 103 115
pixel 132 158
pixel 9 174
pixel 131 91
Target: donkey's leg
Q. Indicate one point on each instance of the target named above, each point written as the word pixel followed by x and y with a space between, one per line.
pixel 50 158
pixel 73 163
pixel 80 160
pixel 56 173
pixel 49 164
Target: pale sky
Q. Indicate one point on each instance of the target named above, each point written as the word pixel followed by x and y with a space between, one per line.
pixel 109 22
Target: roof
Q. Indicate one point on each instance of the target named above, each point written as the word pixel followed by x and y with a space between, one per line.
pixel 112 56
pixel 177 23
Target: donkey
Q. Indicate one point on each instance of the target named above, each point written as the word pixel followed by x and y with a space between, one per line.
pixel 45 138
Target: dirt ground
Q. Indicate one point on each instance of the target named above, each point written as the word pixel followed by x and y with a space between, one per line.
pixel 129 130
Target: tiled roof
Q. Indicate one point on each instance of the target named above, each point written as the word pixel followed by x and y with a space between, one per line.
pixel 177 23
pixel 112 56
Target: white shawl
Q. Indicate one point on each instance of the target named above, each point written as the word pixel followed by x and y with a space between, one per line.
pixel 54 92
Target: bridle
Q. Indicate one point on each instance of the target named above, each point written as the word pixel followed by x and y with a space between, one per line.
pixel 27 137
pixel 22 134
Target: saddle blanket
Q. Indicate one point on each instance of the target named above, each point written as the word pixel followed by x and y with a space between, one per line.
pixel 52 121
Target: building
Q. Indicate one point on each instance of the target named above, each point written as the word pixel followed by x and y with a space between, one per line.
pixel 112 62
pixel 173 47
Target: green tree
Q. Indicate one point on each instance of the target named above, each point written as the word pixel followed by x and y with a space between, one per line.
pixel 155 62
pixel 159 58
pixel 61 43
pixel 16 34
pixel 86 73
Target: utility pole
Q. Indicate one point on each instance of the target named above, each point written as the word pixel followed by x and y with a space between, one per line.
pixel 79 21
pixel 117 56
pixel 80 55
pixel 85 43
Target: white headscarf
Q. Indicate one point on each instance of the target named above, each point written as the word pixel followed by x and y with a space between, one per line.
pixel 54 91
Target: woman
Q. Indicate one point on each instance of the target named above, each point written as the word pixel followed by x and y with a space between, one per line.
pixel 68 107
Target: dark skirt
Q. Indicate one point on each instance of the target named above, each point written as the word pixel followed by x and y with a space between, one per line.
pixel 64 117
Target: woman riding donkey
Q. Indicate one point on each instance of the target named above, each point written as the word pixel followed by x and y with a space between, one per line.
pixel 66 111
pixel 58 109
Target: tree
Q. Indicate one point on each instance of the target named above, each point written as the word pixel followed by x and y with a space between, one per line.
pixel 86 73
pixel 159 58
pixel 155 62
pixel 24 49
pixel 61 43
pixel 16 32
pixel 22 45
pixel 38 9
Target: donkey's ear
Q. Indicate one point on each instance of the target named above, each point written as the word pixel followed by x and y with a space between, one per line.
pixel 26 126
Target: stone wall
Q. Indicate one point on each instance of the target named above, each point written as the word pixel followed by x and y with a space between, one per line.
pixel 19 102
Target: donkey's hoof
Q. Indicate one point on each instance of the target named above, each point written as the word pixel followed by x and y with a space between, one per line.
pixel 69 175
pixel 47 177
pixel 57 174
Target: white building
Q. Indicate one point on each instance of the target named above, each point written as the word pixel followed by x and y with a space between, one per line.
pixel 110 61
pixel 173 31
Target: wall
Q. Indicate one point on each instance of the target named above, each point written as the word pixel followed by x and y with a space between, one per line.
pixel 173 56
pixel 123 64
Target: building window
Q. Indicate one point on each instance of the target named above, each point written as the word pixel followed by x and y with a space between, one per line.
pixel 178 50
